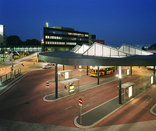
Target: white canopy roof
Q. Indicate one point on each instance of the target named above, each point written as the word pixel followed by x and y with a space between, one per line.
pixel 76 48
pixel 82 49
pixel 134 51
pixel 98 49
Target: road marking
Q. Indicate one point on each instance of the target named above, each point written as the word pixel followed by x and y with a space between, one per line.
pixel 68 107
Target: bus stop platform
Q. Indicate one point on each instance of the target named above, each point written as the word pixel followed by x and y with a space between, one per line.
pixel 153 110
pixel 97 114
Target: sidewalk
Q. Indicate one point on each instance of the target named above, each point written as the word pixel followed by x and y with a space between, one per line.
pixel 6 87
pixel 8 125
pixel 51 97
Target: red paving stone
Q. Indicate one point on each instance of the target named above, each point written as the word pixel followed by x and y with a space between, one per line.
pixel 24 102
pixel 137 110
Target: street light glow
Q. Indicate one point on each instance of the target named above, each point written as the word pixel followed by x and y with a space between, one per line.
pixel 80 66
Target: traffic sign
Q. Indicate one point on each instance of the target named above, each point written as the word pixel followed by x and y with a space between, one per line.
pixel 80 101
pixel 47 84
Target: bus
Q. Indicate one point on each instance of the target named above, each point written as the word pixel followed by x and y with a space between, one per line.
pixel 103 70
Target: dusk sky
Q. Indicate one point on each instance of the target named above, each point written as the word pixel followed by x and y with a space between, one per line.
pixel 115 21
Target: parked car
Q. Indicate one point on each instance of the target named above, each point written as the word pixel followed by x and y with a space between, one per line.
pixel 47 66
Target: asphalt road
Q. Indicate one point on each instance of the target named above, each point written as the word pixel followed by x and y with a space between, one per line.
pixel 24 101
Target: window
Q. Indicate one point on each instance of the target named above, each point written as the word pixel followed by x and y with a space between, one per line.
pixel 86 35
pixel 47 37
pixel 70 43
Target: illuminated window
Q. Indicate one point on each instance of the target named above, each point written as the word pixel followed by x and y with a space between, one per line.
pixel 70 43
pixel 70 33
pixel 46 36
pixel 86 35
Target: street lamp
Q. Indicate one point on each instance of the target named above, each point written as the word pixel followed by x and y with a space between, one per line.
pixel 120 76
pixel 12 63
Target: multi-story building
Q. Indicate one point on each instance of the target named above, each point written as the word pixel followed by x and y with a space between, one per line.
pixel 2 34
pixel 64 39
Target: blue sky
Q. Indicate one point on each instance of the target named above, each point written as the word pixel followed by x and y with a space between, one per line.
pixel 115 21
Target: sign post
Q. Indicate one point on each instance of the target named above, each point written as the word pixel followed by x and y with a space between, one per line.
pixel 80 104
pixel 47 84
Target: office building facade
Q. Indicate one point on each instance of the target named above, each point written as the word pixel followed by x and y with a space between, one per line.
pixel 64 39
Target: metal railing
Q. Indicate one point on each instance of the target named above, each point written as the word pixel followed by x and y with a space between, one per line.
pixel 8 76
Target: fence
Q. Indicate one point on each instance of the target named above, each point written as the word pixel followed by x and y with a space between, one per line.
pixel 9 76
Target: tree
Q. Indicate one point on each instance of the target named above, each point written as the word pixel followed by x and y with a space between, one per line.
pixel 13 41
pixel 152 47
pixel 32 42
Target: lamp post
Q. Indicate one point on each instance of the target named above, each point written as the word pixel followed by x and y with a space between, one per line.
pixel 98 81
pixel 87 71
pixel 120 76
pixel 12 63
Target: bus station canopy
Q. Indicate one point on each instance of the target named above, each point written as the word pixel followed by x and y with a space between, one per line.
pixel 98 49
pixel 71 58
pixel 133 51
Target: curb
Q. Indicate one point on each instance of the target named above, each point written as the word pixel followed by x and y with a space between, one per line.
pixel 80 126
pixel 12 83
pixel 75 93
pixel 85 127
pixel 151 110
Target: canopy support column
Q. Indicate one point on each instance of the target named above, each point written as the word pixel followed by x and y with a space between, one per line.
pixel 63 67
pixel 153 74
pixel 98 82
pixel 131 70
pixel 87 71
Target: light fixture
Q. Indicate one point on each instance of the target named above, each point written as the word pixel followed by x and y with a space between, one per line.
pixel 151 79
pixel 130 91
pixel 127 71
pixel 80 66
pixel 120 76
pixel 66 75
